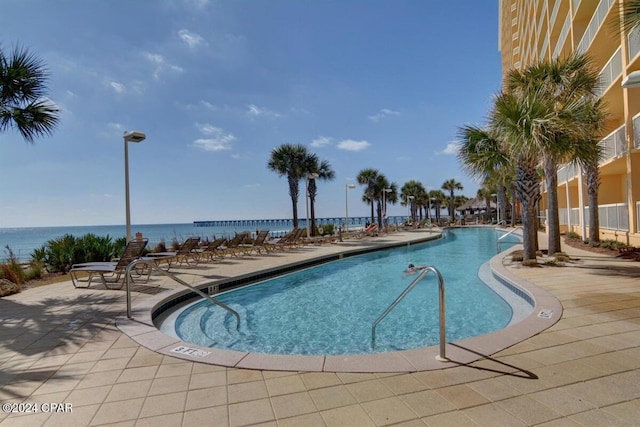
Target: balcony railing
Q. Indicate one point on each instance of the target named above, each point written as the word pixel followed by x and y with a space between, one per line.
pixel 594 25
pixel 610 72
pixel 613 145
pixel 554 14
pixel 633 41
pixel 576 3
pixel 636 131
pixel 563 36
pixel 614 216
pixel 567 172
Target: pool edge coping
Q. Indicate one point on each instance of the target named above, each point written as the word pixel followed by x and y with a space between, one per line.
pixel 547 310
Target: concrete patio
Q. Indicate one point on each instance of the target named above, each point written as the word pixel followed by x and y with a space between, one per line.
pixel 60 345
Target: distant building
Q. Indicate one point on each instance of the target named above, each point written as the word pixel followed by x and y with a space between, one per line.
pixel 533 30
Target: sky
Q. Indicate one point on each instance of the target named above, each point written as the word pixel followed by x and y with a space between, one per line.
pixel 217 85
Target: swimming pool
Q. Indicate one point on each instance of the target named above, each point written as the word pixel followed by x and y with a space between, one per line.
pixel 329 309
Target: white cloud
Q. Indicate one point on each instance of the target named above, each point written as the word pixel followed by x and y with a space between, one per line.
pixel 385 112
pixel 117 87
pixel 450 149
pixel 255 111
pixel 321 141
pixel 191 39
pixel 198 4
pixel 161 64
pixel 217 139
pixel 351 145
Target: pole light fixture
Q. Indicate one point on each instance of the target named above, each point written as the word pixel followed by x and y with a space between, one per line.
pixel 129 136
pixel 347 187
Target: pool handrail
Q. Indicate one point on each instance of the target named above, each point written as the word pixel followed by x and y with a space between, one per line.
pixel 505 235
pixel 443 340
pixel 154 266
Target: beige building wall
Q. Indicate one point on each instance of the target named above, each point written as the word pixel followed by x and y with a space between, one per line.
pixel 534 30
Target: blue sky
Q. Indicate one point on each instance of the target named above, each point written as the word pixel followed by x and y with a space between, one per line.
pixel 216 85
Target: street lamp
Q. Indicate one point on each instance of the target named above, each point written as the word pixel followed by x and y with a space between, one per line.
pixel 306 191
pixel 131 136
pixel 347 187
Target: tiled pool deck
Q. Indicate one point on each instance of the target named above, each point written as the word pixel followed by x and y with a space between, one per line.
pixel 61 345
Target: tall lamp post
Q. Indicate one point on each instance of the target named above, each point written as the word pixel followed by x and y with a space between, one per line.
pixel 306 192
pixel 347 187
pixel 130 136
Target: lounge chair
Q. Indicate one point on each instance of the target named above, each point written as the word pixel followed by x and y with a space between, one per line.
pixel 258 245
pixel 371 230
pixel 232 247
pixel 289 240
pixel 110 271
pixel 186 253
pixel 212 250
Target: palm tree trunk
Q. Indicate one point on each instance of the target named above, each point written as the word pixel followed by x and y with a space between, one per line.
pixel 592 176
pixel 528 191
pixel 514 216
pixel 293 192
pixel 312 213
pixel 502 203
pixel 553 210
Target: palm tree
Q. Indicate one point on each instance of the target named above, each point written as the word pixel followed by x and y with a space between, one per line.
pixel 323 171
pixel 629 18
pixel 23 103
pixel 368 177
pixel 524 124
pixel 381 196
pixel 566 85
pixel 482 156
pixel 587 155
pixel 437 197
pixel 412 194
pixel 289 160
pixel 451 185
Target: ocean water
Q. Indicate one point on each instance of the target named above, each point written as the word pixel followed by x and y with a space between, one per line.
pixel 24 240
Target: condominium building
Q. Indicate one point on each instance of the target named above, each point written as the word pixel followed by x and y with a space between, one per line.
pixel 535 30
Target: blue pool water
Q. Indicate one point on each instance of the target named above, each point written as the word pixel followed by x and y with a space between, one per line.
pixel 330 309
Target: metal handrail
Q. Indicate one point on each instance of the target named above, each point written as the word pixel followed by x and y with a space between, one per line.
pixel 505 235
pixel 442 356
pixel 155 267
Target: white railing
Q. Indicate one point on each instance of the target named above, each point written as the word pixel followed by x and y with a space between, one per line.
pixel 594 25
pixel 636 130
pixel 563 36
pixel 575 216
pixel 637 217
pixel 567 172
pixel 633 41
pixel 554 14
pixel 613 145
pixel 610 72
pixel 562 216
pixel 614 216
pixel 543 50
pixel 576 3
pixel 543 14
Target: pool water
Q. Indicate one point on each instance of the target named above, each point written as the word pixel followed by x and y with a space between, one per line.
pixel 330 309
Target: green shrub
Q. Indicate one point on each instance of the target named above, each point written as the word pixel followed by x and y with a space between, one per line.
pixel 58 255
pixel 11 269
pixel 573 235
